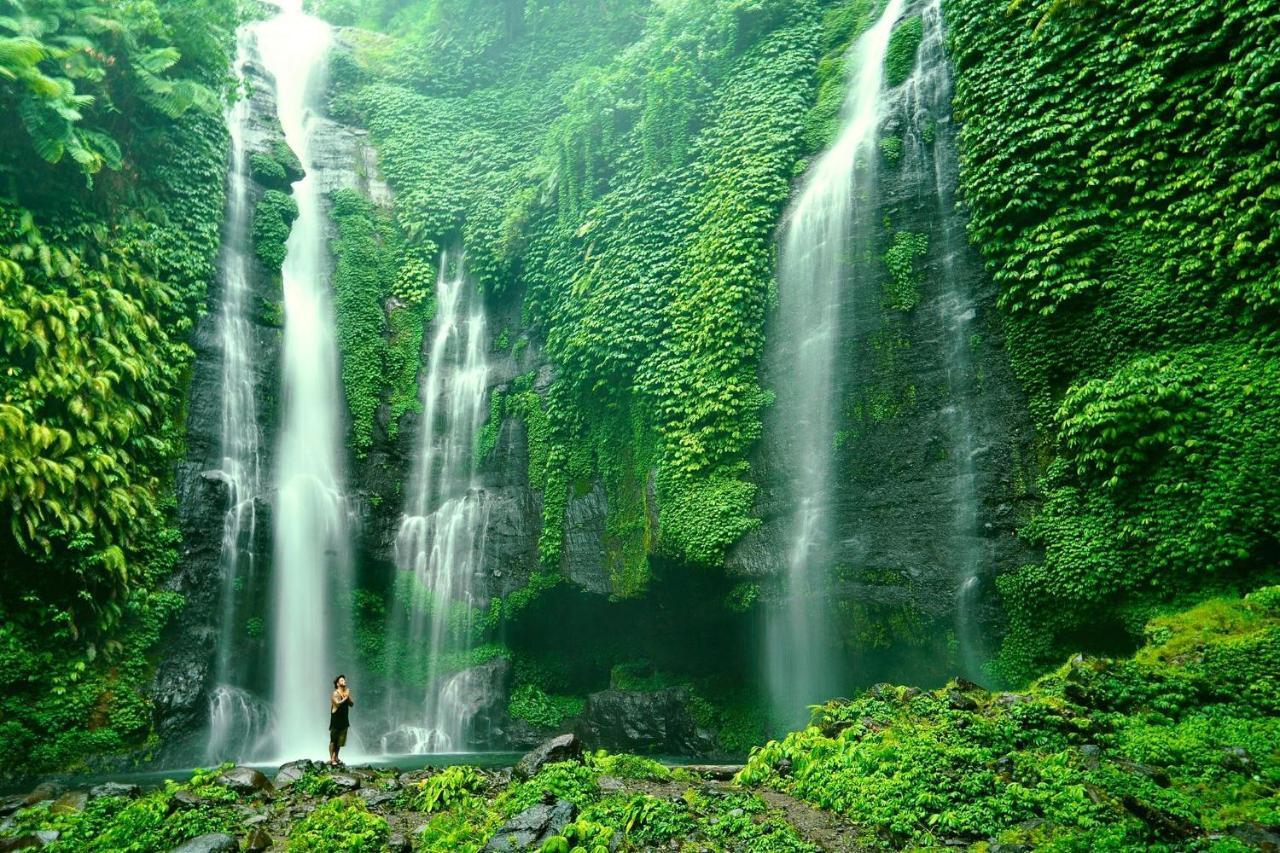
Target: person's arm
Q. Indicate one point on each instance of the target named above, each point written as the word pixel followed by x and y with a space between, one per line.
pixel 334 701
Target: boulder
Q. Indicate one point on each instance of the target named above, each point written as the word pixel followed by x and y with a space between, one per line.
pixel 246 780
pixel 184 799
pixel 71 801
pixel 29 841
pixel 397 843
pixel 257 840
pixel 346 781
pixel 560 748
pixel 655 721
pixel 115 789
pixel 213 842
pixel 532 827
pixel 293 771
pixel 1257 836
pixel 375 797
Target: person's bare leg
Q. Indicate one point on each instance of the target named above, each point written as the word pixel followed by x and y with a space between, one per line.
pixel 333 753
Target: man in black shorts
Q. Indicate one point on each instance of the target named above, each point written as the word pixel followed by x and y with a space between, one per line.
pixel 339 708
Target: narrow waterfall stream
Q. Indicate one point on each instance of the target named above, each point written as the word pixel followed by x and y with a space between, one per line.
pixel 311 565
pixel 827 223
pixel 440 545
pixel 238 721
pixel 925 96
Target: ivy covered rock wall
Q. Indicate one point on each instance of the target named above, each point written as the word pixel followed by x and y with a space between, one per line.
pixel 1121 163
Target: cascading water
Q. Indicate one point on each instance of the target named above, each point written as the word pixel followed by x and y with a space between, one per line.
pixel 440 544
pixel 924 97
pixel 311 565
pixel 821 231
pixel 237 721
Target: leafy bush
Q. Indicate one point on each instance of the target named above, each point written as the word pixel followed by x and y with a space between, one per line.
pixel 529 702
pixel 342 823
pixel 272 218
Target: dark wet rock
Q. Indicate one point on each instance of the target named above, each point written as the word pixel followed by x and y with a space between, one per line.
pixel 718 772
pixel 560 748
pixel 256 819
pixel 1238 759
pixel 660 721
pixel 532 827
pixel 374 797
pixel 1008 700
pixel 11 803
pixel 997 847
pixel 213 842
pixel 346 781
pixel 1257 836
pixel 1090 756
pixel 968 686
pixel 257 840
pixel 958 701
pixel 246 780
pixel 397 843
pixel 1165 824
pixel 783 767
pixel 43 791
pixel 29 841
pixel 115 789
pixel 184 799
pixel 293 771
pixel 71 801
pixel 1155 774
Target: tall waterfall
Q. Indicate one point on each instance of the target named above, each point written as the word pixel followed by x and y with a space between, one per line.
pixel 440 544
pixel 237 721
pixel 828 222
pixel 311 565
pixel 926 95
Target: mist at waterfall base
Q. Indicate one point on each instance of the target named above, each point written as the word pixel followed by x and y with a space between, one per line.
pixel 831 246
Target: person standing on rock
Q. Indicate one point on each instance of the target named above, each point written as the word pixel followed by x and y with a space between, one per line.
pixel 340 703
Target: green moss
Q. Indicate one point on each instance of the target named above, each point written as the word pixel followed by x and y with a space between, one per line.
pixel 267 171
pixel 1101 754
pixel 272 218
pixel 902 289
pixel 1160 461
pixel 900 58
pixel 530 703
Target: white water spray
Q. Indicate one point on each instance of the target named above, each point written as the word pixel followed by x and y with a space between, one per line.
pixel 812 273
pixel 441 537
pixel 311 564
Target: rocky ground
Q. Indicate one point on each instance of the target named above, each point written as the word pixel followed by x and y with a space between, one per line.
pixel 556 798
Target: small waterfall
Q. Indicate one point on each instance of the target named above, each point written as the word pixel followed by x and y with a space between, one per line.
pixel 441 537
pixel 828 222
pixel 311 565
pixel 234 728
pixel 241 726
pixel 926 96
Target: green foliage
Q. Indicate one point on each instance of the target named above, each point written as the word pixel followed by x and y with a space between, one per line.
pixel 900 57
pixel 529 702
pixel 69 71
pixel 342 823
pixel 99 287
pixel 581 836
pixel 272 218
pixel 1101 754
pixel 266 171
pixel 1118 189
pixel 316 783
pixel 625 167
pixel 450 788
pixel 905 277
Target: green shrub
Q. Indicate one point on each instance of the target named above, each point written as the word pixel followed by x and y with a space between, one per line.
pixel 272 218
pixel 342 823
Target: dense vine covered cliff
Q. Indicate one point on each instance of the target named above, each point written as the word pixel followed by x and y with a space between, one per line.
pixel 1053 393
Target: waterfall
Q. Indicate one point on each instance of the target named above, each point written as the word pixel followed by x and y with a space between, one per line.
pixel 233 728
pixel 440 544
pixel 828 222
pixel 311 565
pixel 925 96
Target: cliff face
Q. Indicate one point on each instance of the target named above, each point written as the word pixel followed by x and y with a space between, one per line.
pixel 932 468
pixel 342 159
